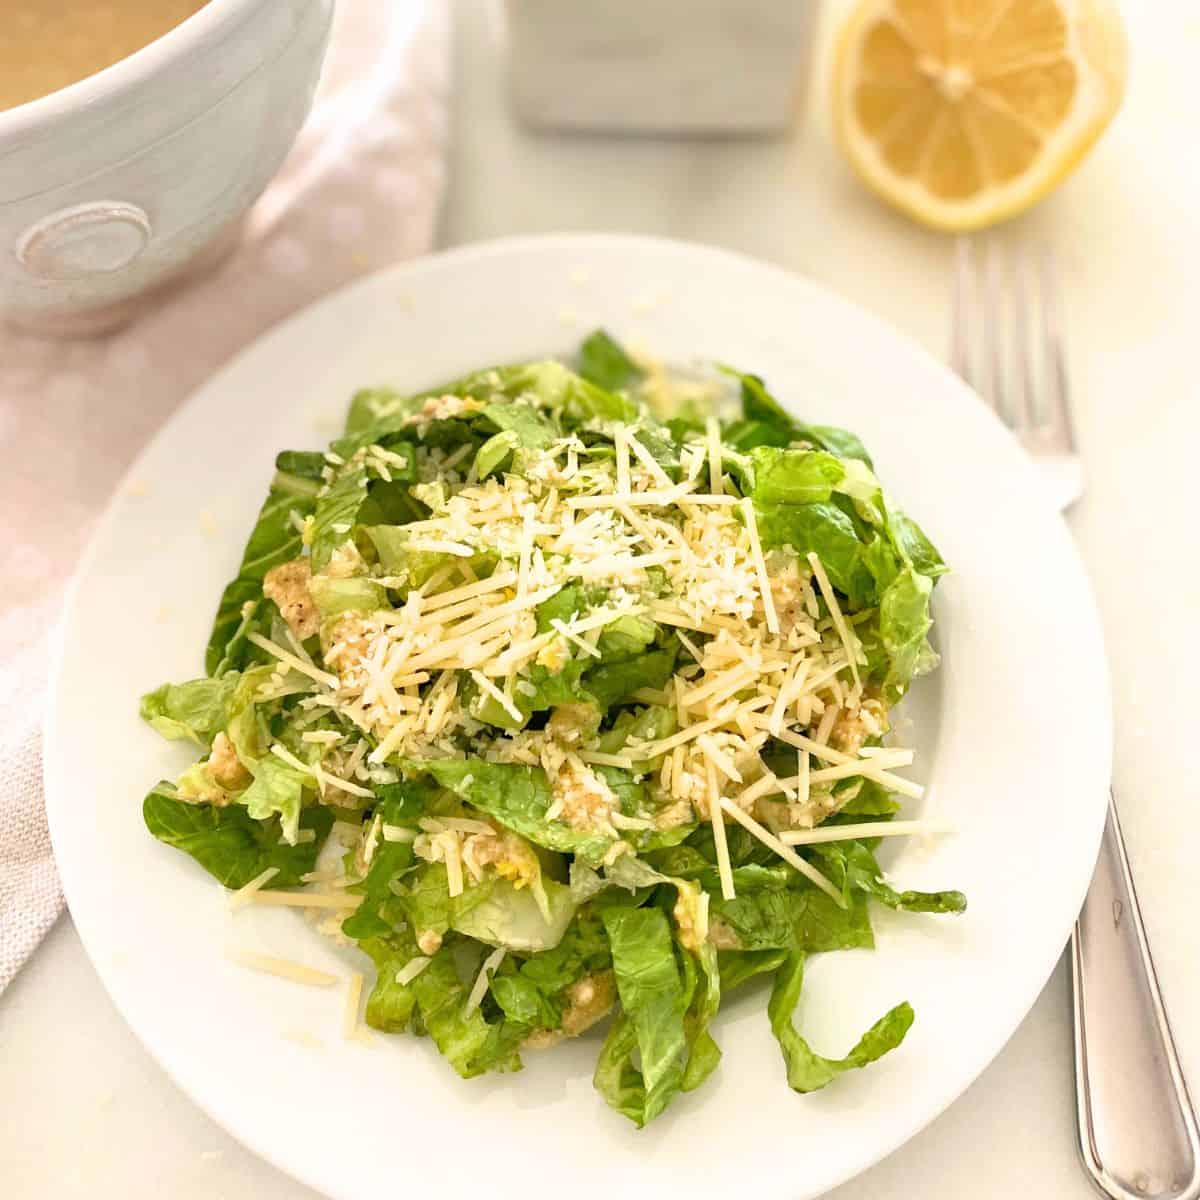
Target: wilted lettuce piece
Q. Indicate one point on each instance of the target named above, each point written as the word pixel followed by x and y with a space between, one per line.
pixel 616 1078
pixel 230 844
pixel 198 709
pixel 276 790
pixel 806 1070
pixel 273 540
pixel 518 797
pixel 354 594
pixel 468 1042
pixel 604 362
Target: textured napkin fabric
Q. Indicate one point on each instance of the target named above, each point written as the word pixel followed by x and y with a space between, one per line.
pixel 360 190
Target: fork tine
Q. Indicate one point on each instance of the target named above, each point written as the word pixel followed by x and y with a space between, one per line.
pixel 1057 410
pixel 960 334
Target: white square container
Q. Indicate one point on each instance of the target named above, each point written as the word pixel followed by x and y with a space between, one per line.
pixel 659 66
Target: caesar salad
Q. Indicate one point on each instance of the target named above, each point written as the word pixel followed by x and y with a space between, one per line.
pixel 563 692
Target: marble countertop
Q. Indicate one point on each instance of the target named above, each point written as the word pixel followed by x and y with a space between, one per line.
pixel 87 1112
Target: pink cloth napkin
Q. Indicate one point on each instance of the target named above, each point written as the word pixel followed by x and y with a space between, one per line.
pixel 360 190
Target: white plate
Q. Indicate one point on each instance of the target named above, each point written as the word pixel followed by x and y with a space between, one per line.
pixel 1013 733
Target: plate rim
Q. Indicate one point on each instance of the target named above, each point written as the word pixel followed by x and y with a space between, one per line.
pixel 410 273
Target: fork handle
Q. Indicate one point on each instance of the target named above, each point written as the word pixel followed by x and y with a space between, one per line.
pixel 1137 1129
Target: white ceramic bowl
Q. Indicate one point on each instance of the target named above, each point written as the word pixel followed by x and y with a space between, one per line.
pixel 118 183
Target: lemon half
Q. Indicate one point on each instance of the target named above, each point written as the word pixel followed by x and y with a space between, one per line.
pixel 965 112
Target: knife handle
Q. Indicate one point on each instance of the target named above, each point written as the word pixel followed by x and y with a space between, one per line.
pixel 1137 1128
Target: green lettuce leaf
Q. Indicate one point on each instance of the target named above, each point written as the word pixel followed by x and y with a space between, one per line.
pixel 532 429
pixel 354 594
pixel 518 797
pixel 653 1002
pixel 794 476
pixel 469 1043
pixel 400 804
pixel 534 994
pixel 792 918
pixel 551 386
pixel 904 622
pixel 913 546
pixel 740 966
pixel 376 410
pixel 603 361
pixel 273 540
pixel 610 683
pixel 762 410
pixel 808 1071
pixel 851 866
pixel 198 709
pixel 390 1005
pixel 397 557
pixel 825 529
pixel 276 790
pixel 424 898
pixel 230 844
pixel 336 514
pixel 497 912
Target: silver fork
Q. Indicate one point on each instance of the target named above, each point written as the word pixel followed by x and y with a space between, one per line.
pixel 1137 1129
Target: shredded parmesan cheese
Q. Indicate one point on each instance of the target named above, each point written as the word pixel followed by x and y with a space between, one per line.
pixel 789 856
pixel 305 899
pixel 353 995
pixel 839 621
pixel 297 664
pixel 245 893
pixel 283 968
pixel 483 980
pixel 412 969
pixel 724 870
pixel 867 829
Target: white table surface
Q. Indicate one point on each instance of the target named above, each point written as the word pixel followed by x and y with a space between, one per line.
pixel 87 1112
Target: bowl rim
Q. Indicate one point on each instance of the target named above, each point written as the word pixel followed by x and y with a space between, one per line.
pixel 206 24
